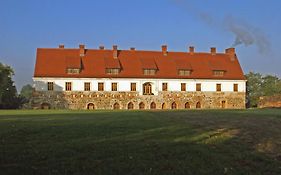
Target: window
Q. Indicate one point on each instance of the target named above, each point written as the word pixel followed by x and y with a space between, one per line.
pixel 147 89
pixel 133 86
pixel 112 71
pixel 68 86
pixel 187 105
pixel 130 105
pixel 149 71
pixel 87 86
pixel 113 86
pixel 153 105
pixel 198 86
pixel 174 105
pixel 116 106
pixel 183 86
pixel 184 72
pixel 198 105
pixel 164 86
pixel 141 105
pixel 100 87
pixel 235 87
pixel 50 86
pixel 218 87
pixel 72 71
pixel 218 73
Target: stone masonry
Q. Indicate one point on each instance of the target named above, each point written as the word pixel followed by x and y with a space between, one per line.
pixel 106 100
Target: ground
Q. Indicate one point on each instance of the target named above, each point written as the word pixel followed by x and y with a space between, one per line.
pixel 140 142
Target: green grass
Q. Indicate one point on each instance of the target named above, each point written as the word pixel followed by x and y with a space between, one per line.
pixel 140 142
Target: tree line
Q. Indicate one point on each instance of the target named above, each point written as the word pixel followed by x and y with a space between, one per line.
pixel 257 85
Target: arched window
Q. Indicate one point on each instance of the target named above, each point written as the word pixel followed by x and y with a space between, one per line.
pixel 116 106
pixel 141 105
pixel 223 104
pixel 187 105
pixel 147 89
pixel 153 105
pixel 45 106
pixel 174 105
pixel 130 105
pixel 91 106
pixel 198 105
pixel 164 106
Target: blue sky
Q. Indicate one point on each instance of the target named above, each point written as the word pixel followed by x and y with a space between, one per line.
pixel 144 24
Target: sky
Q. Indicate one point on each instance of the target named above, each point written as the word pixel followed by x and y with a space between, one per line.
pixel 252 26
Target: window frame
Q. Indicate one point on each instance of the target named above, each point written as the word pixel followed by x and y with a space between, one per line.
pixel 50 86
pixel 164 86
pixel 198 87
pixel 87 88
pixel 114 86
pixel 183 87
pixel 133 87
pixel 68 86
pixel 218 87
pixel 235 87
pixel 100 86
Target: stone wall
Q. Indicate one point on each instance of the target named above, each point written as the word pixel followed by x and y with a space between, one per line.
pixel 106 100
pixel 270 102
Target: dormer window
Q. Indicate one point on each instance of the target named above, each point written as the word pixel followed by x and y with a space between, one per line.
pixel 73 65
pixel 149 71
pixel 72 71
pixel 112 71
pixel 218 73
pixel 184 72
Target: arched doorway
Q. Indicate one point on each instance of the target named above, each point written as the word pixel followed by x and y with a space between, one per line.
pixel 223 104
pixel 164 106
pixel 91 106
pixel 174 105
pixel 45 106
pixel 187 105
pixel 147 89
pixel 153 105
pixel 116 106
pixel 198 105
pixel 141 105
pixel 130 105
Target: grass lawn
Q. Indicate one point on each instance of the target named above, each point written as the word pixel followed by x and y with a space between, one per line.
pixel 140 142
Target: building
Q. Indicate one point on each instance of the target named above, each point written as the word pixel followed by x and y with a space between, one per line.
pixel 80 78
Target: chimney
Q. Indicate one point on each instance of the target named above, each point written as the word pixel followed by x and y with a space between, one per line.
pixel 191 50
pixel 115 52
pixel 61 46
pixel 101 47
pixel 82 50
pixel 231 53
pixel 213 50
pixel 164 50
pixel 132 49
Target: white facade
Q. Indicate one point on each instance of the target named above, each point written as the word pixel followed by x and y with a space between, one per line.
pixel 124 84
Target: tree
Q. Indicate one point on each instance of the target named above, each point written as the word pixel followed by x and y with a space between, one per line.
pixel 271 85
pixel 259 85
pixel 254 82
pixel 26 91
pixel 8 92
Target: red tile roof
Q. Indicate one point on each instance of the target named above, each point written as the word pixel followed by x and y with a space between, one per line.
pixel 53 62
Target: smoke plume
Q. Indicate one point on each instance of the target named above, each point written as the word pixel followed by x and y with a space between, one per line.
pixel 244 33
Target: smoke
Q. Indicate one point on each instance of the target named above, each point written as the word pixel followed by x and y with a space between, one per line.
pixel 244 33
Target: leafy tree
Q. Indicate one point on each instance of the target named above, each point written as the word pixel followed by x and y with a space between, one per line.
pixel 8 92
pixel 259 85
pixel 271 85
pixel 254 82
pixel 26 91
